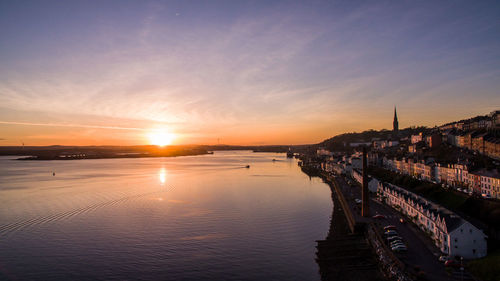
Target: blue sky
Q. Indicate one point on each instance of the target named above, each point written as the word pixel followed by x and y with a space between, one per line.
pixel 256 72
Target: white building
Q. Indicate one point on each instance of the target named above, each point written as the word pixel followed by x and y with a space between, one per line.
pixel 372 182
pixel 451 234
pixel 392 143
pixel 357 163
pixel 323 152
pixel 416 138
pixel 490 183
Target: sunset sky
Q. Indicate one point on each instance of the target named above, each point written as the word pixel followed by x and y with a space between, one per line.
pixel 240 72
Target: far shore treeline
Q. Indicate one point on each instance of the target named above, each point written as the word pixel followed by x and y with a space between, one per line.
pixel 58 152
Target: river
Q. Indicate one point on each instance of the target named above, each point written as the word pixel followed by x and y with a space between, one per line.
pixel 201 217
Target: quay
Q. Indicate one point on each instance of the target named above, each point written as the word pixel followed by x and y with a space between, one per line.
pixel 353 248
pixel 344 254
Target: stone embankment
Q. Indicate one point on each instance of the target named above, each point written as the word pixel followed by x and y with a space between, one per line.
pixel 354 249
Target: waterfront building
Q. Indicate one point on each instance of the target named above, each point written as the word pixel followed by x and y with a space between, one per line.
pixel 323 152
pixel 492 147
pixel 379 144
pixel 478 142
pixel 412 148
pixel 462 175
pixel 460 140
pixel 452 234
pixel 489 183
pixel 433 140
pixel 356 162
pixel 446 174
pixel 416 138
pixel 495 118
pixel 392 143
pixel 373 183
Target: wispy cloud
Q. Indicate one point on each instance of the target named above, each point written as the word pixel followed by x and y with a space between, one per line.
pixel 210 71
pixel 72 126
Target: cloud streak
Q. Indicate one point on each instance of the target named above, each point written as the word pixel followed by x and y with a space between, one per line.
pixel 72 126
pixel 222 69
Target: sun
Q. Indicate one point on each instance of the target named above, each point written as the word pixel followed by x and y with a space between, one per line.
pixel 161 137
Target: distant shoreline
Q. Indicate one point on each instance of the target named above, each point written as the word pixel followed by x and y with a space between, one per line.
pixel 44 153
pixel 68 158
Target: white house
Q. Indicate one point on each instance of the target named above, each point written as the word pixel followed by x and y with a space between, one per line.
pixel 323 152
pixel 357 163
pixel 451 234
pixel 490 183
pixel 372 182
pixel 416 138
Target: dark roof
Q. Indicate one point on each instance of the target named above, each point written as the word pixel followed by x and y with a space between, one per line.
pixel 452 222
pixel 451 219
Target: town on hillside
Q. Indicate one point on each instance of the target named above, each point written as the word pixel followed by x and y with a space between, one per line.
pixel 444 181
pixel 462 155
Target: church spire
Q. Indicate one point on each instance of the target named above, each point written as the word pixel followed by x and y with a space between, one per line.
pixel 395 124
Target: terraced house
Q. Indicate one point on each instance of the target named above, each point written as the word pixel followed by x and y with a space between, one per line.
pixel 482 182
pixel 451 234
pixel 489 183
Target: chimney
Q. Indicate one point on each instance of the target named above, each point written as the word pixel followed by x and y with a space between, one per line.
pixel 365 206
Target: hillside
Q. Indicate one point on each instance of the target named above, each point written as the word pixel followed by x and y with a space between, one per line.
pixel 341 142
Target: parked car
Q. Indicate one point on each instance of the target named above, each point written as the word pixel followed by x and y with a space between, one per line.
pixel 393 238
pixel 444 258
pixel 378 217
pixel 391 233
pixel 397 243
pixel 389 227
pixel 394 241
pixel 452 263
pixel 399 248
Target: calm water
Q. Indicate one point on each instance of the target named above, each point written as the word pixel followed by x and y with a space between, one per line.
pixel 187 218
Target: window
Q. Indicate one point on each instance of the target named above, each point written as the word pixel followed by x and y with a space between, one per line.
pixel 474 251
pixel 456 240
pixel 470 230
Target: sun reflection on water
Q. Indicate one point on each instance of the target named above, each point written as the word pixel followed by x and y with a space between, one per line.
pixel 162 174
